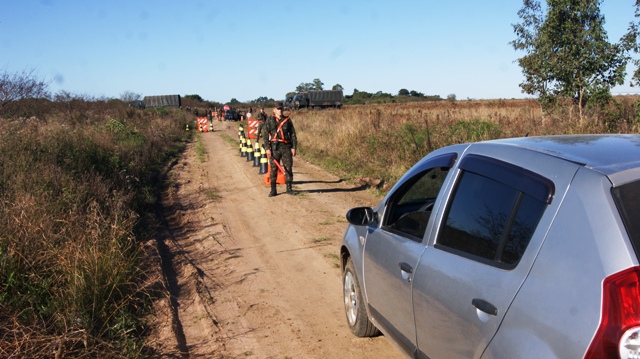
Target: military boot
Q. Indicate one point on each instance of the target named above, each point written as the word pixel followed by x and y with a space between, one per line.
pixel 289 190
pixel 273 189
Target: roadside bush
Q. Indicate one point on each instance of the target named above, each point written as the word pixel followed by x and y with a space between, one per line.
pixel 75 208
pixel 473 131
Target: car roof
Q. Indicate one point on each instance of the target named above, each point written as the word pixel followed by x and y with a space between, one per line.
pixel 607 154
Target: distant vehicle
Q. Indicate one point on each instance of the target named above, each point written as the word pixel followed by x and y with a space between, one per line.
pixel 513 248
pixel 231 115
pixel 162 101
pixel 315 99
pixel 137 104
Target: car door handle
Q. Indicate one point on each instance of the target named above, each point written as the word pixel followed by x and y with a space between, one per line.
pixel 406 270
pixel 484 306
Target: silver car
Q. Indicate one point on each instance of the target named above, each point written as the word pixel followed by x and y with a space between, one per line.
pixel 514 248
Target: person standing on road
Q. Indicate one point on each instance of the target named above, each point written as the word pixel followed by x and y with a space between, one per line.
pixel 280 142
pixel 261 117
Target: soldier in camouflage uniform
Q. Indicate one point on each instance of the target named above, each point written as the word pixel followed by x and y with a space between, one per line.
pixel 280 142
pixel 261 117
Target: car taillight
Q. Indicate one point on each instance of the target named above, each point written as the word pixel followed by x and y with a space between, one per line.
pixel 618 335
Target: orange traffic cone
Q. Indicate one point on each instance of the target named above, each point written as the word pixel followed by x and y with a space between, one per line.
pixel 280 178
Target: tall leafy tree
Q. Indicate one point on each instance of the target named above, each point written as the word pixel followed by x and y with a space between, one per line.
pixel 630 42
pixel 304 87
pixel 307 86
pixel 567 52
pixel 317 84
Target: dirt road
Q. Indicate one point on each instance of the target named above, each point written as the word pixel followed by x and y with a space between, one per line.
pixel 250 276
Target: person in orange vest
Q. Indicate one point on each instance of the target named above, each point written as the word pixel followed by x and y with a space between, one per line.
pixel 280 142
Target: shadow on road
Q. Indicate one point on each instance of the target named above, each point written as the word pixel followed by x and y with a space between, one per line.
pixel 333 190
pixel 307 182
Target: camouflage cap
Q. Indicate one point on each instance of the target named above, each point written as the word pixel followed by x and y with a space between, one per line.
pixel 279 105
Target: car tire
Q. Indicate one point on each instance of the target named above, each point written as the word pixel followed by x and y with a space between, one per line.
pixel 355 310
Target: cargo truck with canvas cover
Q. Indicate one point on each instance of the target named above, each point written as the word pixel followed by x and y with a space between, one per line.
pixel 162 101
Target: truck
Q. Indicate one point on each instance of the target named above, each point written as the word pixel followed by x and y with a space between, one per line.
pixel 315 99
pixel 162 101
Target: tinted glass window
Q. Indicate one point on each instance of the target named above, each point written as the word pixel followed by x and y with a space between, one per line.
pixel 490 220
pixel 409 210
pixel 627 198
pixel 426 188
pixel 477 216
pixel 526 220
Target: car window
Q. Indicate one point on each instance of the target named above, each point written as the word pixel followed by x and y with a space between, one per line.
pixel 409 208
pixel 425 188
pixel 491 220
pixel 627 199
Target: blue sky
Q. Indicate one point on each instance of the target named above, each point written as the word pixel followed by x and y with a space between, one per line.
pixel 247 49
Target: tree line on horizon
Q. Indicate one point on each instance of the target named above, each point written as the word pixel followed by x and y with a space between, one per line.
pixel 357 98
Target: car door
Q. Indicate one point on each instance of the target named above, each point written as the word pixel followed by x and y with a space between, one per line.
pixel 392 250
pixel 466 280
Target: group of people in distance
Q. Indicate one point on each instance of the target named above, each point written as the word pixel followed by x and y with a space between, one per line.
pixel 278 137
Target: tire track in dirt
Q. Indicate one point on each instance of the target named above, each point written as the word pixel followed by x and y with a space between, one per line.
pixel 258 277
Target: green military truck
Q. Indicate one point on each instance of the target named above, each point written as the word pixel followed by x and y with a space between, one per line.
pixel 315 99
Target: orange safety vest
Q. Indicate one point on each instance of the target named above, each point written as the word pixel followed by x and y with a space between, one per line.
pixel 279 137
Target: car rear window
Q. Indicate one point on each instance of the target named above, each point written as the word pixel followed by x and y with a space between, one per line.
pixel 627 199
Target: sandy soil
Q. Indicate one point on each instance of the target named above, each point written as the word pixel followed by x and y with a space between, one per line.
pixel 249 276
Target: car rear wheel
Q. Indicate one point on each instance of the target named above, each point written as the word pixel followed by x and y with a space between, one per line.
pixel 357 318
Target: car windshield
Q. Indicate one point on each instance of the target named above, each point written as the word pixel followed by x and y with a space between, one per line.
pixel 627 198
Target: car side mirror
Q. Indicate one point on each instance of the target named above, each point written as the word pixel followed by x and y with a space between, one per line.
pixel 361 216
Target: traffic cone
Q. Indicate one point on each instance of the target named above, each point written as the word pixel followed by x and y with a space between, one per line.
pixel 240 132
pixel 256 152
pixel 243 152
pixel 249 151
pixel 264 161
pixel 187 127
pixel 280 178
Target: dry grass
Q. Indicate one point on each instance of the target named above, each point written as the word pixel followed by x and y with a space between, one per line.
pixel 383 141
pixel 76 193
